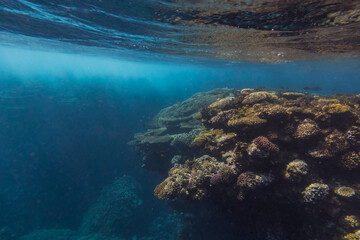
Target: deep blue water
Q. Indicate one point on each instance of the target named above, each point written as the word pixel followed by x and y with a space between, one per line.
pixel 79 78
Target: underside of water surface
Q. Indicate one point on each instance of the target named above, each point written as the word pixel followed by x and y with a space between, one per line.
pixel 259 30
pixel 179 119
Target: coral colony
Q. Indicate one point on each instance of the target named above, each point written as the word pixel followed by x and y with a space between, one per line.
pixel 284 156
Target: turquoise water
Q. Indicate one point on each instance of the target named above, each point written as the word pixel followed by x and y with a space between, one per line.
pixel 79 78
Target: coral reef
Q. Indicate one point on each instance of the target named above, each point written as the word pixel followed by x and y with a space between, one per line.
pixel 195 179
pixel 174 128
pixel 246 159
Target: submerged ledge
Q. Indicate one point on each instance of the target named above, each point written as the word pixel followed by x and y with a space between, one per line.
pixel 290 160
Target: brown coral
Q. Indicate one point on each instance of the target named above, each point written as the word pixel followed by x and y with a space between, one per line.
pixel 295 170
pixel 307 129
pixel 246 122
pixel 262 147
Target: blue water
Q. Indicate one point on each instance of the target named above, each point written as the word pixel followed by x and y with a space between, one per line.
pixel 79 78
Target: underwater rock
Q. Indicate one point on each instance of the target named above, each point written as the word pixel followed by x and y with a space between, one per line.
pixel 115 211
pixel 315 192
pixel 246 150
pixel 174 128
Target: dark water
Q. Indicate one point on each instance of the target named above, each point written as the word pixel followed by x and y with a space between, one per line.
pixel 79 78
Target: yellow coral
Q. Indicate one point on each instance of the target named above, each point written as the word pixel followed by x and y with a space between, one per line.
pixel 345 191
pixel 162 191
pixel 338 108
pixel 351 160
pixel 351 221
pixel 352 236
pixel 205 136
